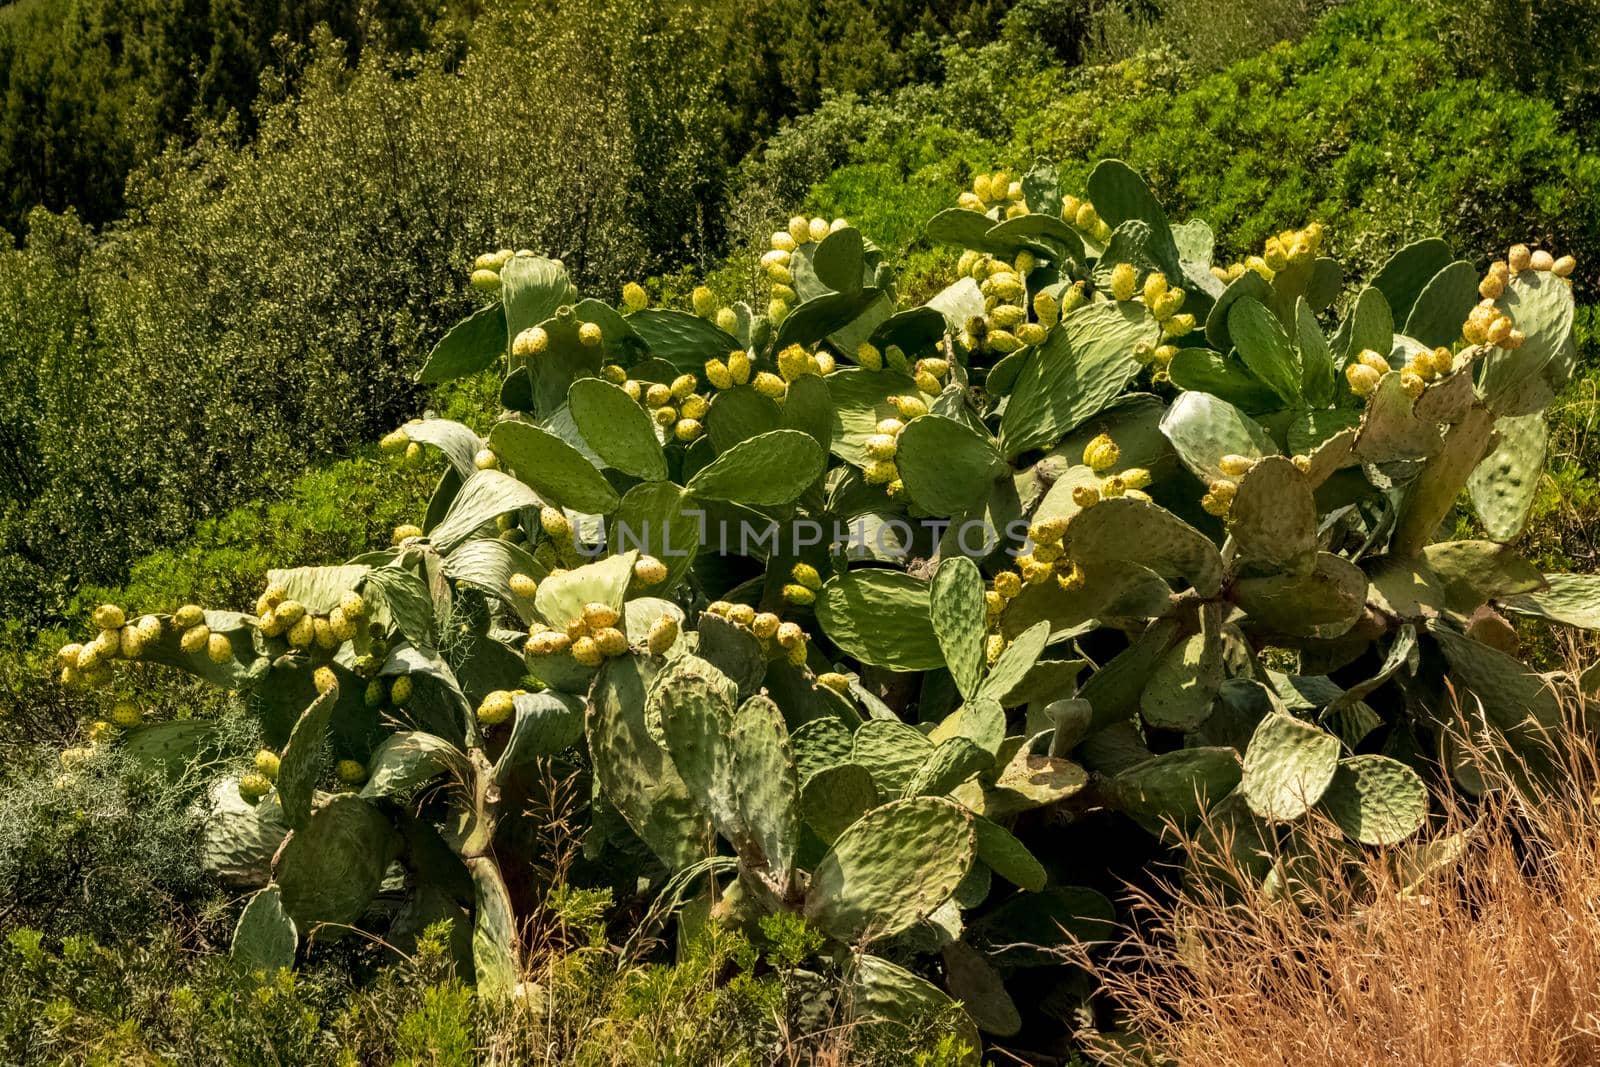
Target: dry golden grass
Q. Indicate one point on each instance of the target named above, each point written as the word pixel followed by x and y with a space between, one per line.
pixel 1491 959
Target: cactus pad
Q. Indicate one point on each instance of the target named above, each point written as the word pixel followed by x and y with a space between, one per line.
pixel 1376 800
pixel 265 937
pixel 1287 767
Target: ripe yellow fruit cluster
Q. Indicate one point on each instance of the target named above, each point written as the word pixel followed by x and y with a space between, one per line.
pixel 486 270
pixel 795 362
pixel 1081 213
pixel 777 260
pixel 497 707
pixel 591 638
pixel 994 191
pixel 1280 251
pixel 803 585
pixel 733 371
pixel 88 664
pixel 280 616
pixel 674 404
pixel 1365 371
pixel 776 636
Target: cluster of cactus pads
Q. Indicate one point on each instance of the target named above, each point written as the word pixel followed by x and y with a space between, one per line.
pixel 1131 535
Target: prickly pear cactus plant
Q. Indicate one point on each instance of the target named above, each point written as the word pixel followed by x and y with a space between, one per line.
pixel 895 618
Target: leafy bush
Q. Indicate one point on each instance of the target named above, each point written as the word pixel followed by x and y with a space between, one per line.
pixel 862 614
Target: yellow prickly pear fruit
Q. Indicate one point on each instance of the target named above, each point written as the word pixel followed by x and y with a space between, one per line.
pixel 663 635
pixel 1492 286
pixel 1008 584
pixel 1048 531
pixel 909 407
pixel 993 603
pixel 218 648
pixel 882 446
pixel 794 362
pixel 683 385
pixel 1014 192
pixel 1234 465
pixel 1275 255
pixel 739 366
pixel 765 624
pixel 353 604
pixel 1046 309
pixel 524 585
pixel 131 645
pixel 1513 340
pixel 587 653
pixel 1069 208
pixel 555 524
pixel 108 617
pixel 928 383
pixel 325 680
pixel 703 301
pixel 1302 464
pixel 597 616
pixel 770 385
pixel 1178 325
pixel 400 692
pixel 657 395
pixel 806 575
pixel 1499 330
pixel 1031 333
pixel 1113 486
pixel 268 764
pixel 1143 353
pixel 194 639
pixel 394 441
pixel 982 188
pixel 868 356
pixel 634 298
pixel 1369 358
pixel 590 335
pixel 666 416
pixel 1071 577
pixel 1101 453
pixel 718 375
pixel 375 694
pixel 727 320
pixel 799 595
pixel 127 715
pixel 1167 304
pixel 647 570
pixel 818 229
pixel 992 647
pixel 890 426
pixel 719 608
pixel 800 229
pixel 1049 553
pixel 404 532
pixel 67 654
pixel 1563 267
pixel 485 459
pixel 341 626
pixel 741 614
pixel 109 643
pixel 999 182
pixel 252 787
pixel 783 241
pixel 790 635
pixel 496 707
pixel 302 634
pixel 1086 218
pixel 1074 298
pixel 1519 258
pixel 880 472
pixel 413 453
pixel 839 683
pixel 530 342
pixel 970 201
pixel 1085 496
pixel 633 388
pixel 1155 287
pixel 1412 383
pixel 485 281
pixel 1003 317
pixel 1362 378
pixel 1214 505
pixel 289 612
pixel 322 631
pixel 350 772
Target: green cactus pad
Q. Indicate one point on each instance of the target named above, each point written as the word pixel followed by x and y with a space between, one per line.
pixel 880 617
pixel 892 751
pixel 1249 284
pixel 1376 800
pixel 470 346
pixel 1042 234
pixel 1319 382
pixel 1016 660
pixel 819 744
pixel 846 319
pixel 980 989
pixel 835 796
pixel 1068 721
pixel 561 598
pixel 1119 194
pixel 1075 374
pixel 1474 572
pixel 167 747
pixel 265 937
pixel 301 765
pixel 545 724
pixel 659 519
pixel 1175 785
pixel 734 650
pixel 891 868
pixel 1287 767
pixel 953 761
pixel 482 498
pixel 740 413
pixel 1504 484
pixel 238 839
pixel 1265 349
pixel 1512 695
pixel 617 428
pixel 1180 690
pixel 1524 380
pixel 1274 519
pixel 838 260
pixel 407 759
pixel 637 776
pixel 458 443
pixel 1030 929
pixel 947 467
pixel 487 564
pixel 1027 782
pixel 330 868
pixel 1407 273
pixel 765 782
pixel 982 721
pixel 1114 690
pixel 1008 857
pixel 808 408
pixel 956 609
pixel 684 340
pixel 1571 599
pixel 532 288
pixel 1204 371
pixel 965 229
pixel 694 703
pixel 1390 430
pixel 401 599
pixel 884 994
pixel 1203 429
pixel 767 470
pixel 495 964
pixel 1324 603
pixel 1369 324
pixel 1125 530
pixel 557 471
pixel 1443 305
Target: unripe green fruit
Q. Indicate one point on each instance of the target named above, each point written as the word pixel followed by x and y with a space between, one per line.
pixel 496 708
pixel 218 648
pixel 267 764
pixel 663 635
pixel 400 692
pixel 194 639
pixel 374 696
pixel 647 570
pixel 109 617
pixel 252 787
pixel 350 772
